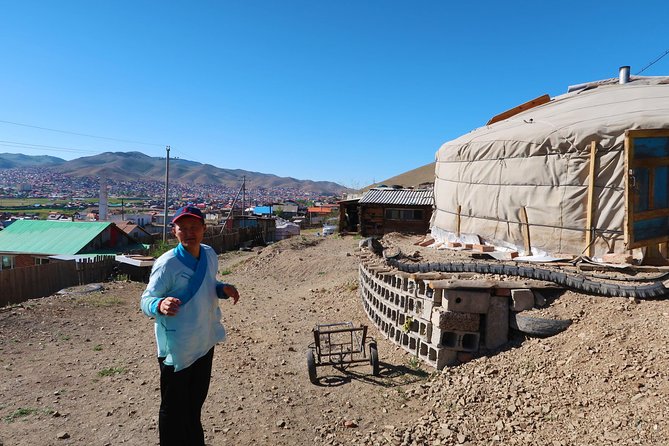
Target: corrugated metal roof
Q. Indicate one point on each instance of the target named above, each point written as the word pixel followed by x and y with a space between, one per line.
pixel 49 237
pixel 399 197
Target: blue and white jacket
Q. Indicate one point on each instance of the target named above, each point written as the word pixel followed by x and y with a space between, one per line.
pixel 196 328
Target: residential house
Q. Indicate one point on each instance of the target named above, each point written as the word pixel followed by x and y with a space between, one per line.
pixel 31 242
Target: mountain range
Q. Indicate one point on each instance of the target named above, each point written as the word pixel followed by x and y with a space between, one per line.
pixel 138 166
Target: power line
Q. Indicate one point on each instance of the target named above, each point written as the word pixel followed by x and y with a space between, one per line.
pixel 21 145
pixel 652 63
pixel 81 134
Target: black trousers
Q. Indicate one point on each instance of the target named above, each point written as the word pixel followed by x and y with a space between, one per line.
pixel 182 395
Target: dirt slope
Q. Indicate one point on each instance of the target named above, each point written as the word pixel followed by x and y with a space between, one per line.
pixel 82 367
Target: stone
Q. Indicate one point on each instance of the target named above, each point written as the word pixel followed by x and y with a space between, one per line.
pixel 63 435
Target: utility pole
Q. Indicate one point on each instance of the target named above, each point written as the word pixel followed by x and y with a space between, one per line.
pixel 244 197
pixel 167 182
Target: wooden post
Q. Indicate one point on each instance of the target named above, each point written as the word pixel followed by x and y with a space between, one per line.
pixel 458 221
pixel 526 231
pixel 589 229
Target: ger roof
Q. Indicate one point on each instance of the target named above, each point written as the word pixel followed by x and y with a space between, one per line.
pixel 49 237
pixel 398 197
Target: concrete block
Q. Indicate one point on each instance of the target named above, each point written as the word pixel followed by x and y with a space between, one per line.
pixel 437 357
pixel 496 323
pixel 522 300
pixel 428 307
pixel 465 301
pixel 451 320
pixel 459 340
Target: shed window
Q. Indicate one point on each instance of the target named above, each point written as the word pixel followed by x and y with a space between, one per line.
pixel 404 214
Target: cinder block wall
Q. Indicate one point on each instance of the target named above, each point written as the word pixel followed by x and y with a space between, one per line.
pixel 441 326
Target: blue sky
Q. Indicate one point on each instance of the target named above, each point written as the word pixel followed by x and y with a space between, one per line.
pixel 351 91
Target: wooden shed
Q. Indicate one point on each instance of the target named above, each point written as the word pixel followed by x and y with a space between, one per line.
pixel 384 210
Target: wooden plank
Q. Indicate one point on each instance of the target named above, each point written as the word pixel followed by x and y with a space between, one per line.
pixel 489 284
pixel 520 108
pixel 589 248
pixel 458 221
pixel 651 188
pixel 627 223
pixel 655 213
pixel 526 231
pixel 645 133
pixel 650 162
pixel 457 283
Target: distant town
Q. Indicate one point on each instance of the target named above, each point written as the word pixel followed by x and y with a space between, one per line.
pixel 68 197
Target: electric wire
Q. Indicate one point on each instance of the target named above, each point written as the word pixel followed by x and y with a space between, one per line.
pixel 652 63
pixel 81 134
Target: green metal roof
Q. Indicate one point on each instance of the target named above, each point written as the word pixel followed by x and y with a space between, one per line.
pixel 49 237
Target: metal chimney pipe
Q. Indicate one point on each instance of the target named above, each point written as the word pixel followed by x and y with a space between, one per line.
pixel 624 74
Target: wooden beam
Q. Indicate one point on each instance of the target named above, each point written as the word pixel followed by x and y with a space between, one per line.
pixel 526 231
pixel 589 248
pixel 458 221
pixel 627 220
pixel 521 108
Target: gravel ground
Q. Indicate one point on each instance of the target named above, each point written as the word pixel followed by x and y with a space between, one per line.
pixel 80 368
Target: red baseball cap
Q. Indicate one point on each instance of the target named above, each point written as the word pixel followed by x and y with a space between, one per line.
pixel 185 211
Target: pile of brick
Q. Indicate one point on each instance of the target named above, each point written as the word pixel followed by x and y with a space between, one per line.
pixel 443 318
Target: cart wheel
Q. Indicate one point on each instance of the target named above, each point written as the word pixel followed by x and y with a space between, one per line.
pixel 311 366
pixel 374 358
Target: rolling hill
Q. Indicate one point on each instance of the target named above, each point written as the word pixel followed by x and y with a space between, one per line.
pixel 411 178
pixel 14 160
pixel 138 166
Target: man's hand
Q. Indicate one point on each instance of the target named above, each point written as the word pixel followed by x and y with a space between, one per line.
pixel 231 291
pixel 169 306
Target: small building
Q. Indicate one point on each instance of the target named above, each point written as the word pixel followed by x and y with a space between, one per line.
pixel 385 210
pixel 140 219
pixel 318 214
pixel 32 242
pixel 136 232
pixel 262 210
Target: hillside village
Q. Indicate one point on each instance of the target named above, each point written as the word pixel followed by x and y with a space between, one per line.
pixel 517 302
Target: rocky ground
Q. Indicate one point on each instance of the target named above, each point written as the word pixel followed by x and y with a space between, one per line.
pixel 80 368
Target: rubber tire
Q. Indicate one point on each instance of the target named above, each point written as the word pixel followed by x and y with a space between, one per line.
pixel 535 326
pixel 311 366
pixel 374 358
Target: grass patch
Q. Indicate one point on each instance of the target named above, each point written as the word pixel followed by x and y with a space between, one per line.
pixel 225 272
pixel 415 363
pixel 111 371
pixel 160 248
pixel 22 412
pixel 103 301
pixel 97 348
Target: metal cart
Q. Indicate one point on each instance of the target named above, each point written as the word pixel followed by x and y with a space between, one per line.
pixel 339 345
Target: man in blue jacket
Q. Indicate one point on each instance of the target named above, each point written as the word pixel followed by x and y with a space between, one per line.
pixel 182 296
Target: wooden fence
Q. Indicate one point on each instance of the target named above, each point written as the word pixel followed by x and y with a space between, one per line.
pixel 20 284
pixel 229 240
